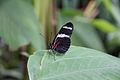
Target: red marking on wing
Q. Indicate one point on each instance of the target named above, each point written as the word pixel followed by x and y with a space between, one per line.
pixel 56 45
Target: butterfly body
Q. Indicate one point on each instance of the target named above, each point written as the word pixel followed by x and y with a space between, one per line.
pixel 62 41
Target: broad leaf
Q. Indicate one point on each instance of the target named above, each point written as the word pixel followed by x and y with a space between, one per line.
pixel 19 25
pixel 77 64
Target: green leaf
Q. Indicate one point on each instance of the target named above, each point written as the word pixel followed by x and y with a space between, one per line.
pixel 87 34
pixel 113 9
pixel 71 12
pixel 19 25
pixel 70 4
pixel 104 25
pixel 114 39
pixel 77 64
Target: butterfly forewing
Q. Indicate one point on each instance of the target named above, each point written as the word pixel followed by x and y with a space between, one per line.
pixel 61 42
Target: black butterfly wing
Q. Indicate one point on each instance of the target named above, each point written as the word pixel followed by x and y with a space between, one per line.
pixel 62 45
pixel 61 42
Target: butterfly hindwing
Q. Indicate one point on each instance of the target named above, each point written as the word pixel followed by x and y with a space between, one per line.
pixel 61 42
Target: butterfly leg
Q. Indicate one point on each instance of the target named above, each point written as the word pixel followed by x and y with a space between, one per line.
pixel 54 54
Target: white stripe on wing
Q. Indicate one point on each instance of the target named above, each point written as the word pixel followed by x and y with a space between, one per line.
pixel 67 27
pixel 63 35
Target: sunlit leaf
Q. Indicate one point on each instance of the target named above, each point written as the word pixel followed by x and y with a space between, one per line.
pixel 104 25
pixel 70 12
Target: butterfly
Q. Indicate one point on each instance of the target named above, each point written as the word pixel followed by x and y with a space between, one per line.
pixel 62 41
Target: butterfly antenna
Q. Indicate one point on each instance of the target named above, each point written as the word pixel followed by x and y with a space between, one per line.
pixel 50 38
pixel 54 55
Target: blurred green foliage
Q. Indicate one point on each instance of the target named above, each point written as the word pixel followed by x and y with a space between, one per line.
pixel 26 25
